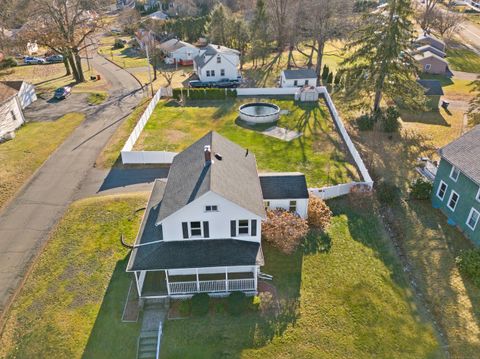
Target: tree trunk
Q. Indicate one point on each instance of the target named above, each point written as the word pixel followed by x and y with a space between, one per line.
pixel 67 66
pixel 379 87
pixel 318 68
pixel 71 61
pixel 78 61
pixel 290 57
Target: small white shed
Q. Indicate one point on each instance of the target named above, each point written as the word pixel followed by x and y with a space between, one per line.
pixel 298 78
pixel 25 92
pixel 11 116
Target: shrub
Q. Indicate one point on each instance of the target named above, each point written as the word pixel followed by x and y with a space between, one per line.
pixel 420 188
pixel 185 307
pixel 8 62
pixel 365 123
pixel 325 72
pixel 469 264
pixel 204 94
pixel 319 214
pixel 330 78
pixel 390 120
pixel 237 303
pixel 200 302
pixel 255 303
pixel 119 44
pixel 284 230
pixel 387 193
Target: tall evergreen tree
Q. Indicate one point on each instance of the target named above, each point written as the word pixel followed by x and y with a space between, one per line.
pixel 379 60
pixel 217 27
pixel 259 33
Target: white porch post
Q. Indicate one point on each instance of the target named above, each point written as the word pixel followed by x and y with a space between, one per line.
pixel 198 282
pixel 255 277
pixel 168 283
pixel 226 279
pixel 139 291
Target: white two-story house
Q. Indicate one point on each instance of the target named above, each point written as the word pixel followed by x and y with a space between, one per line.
pixel 201 231
pixel 215 62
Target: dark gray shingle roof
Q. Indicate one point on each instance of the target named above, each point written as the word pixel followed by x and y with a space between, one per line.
pixel 283 185
pixel 148 232
pixel 464 153
pixel 432 87
pixel 234 177
pixel 299 74
pixel 195 254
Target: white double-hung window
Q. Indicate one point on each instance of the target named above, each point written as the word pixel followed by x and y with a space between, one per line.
pixel 442 189
pixel 473 219
pixel 453 200
pixel 454 173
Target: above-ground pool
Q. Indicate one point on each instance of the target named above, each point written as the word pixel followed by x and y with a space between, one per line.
pixel 259 112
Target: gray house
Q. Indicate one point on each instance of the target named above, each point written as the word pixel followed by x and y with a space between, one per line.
pixel 431 63
pixel 432 49
pixel 456 190
pixel 427 39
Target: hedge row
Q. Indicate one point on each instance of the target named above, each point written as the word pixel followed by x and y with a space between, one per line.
pixel 204 94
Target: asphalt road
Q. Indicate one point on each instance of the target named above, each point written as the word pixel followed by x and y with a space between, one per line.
pixel 26 223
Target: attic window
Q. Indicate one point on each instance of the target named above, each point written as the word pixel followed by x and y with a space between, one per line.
pixel 211 208
pixel 219 59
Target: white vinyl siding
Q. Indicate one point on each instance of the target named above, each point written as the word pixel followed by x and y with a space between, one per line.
pixel 442 189
pixel 473 218
pixel 453 200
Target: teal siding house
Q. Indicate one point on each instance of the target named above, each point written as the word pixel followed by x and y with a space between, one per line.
pixel 456 189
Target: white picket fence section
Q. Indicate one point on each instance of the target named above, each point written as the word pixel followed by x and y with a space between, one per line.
pixel 143 157
pixel 164 157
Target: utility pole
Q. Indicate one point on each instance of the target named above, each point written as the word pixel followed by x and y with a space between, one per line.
pixel 148 61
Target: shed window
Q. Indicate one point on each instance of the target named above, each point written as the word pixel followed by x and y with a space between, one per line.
pixel 243 227
pixel 195 229
pixel 473 218
pixel 454 173
pixel 442 189
pixel 292 206
pixel 295 83
pixel 428 66
pixel 14 118
pixel 453 200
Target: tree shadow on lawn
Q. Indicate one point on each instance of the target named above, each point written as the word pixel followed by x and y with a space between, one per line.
pixel 434 117
pixel 221 335
pixel 110 337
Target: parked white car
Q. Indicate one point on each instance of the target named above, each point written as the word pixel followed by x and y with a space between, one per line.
pixel 34 60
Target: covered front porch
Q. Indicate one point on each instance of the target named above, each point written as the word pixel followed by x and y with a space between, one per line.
pixel 188 281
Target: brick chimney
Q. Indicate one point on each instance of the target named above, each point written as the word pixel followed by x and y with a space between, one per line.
pixel 208 154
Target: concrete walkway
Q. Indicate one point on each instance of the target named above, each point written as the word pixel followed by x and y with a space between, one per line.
pixel 460 75
pixel 26 223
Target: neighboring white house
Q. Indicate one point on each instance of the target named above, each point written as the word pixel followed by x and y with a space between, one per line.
pixel 25 92
pixel 177 51
pixel 201 231
pixel 298 78
pixel 217 62
pixel 11 116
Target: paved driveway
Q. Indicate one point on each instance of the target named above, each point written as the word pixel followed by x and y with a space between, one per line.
pixel 26 223
pixel 50 109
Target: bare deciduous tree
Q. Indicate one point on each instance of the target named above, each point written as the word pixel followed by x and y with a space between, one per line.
pixel 446 22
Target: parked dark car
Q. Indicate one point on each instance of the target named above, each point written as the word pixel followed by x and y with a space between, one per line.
pixel 62 92
pixel 226 83
pixel 199 84
pixel 54 58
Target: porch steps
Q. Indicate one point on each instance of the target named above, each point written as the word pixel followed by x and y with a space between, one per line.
pixel 147 345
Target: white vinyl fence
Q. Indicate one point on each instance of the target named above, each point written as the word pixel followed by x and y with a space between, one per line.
pixel 163 157
pixel 131 157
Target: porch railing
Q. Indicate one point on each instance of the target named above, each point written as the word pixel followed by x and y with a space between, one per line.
pixel 210 286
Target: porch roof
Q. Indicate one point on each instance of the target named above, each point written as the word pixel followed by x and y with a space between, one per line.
pixel 198 253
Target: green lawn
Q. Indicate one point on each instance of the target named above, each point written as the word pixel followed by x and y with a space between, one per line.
pixel 33 144
pixel 72 302
pixel 319 153
pixel 126 57
pixel 97 98
pixel 349 302
pixel 110 154
pixel 463 60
